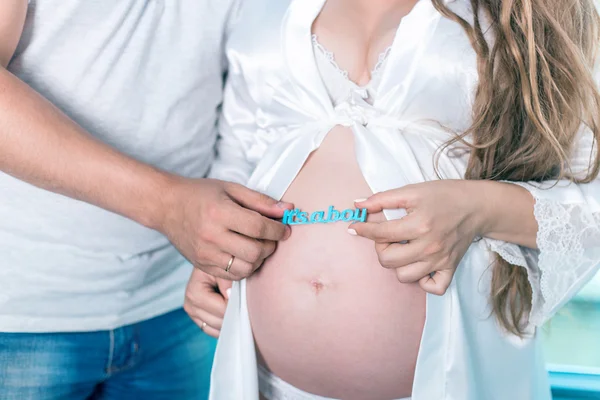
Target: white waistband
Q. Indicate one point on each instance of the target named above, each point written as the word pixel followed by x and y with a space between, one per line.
pixel 274 388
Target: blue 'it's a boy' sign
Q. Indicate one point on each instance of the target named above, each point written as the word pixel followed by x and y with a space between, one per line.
pixel 297 217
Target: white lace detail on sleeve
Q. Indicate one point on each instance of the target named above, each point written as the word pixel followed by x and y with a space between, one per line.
pixel 523 257
pixel 569 251
pixel 508 251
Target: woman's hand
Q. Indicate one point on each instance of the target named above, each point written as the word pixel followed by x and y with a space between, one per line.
pixel 206 300
pixel 426 246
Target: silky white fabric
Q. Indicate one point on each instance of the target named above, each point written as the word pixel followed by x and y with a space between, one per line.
pixel 277 111
pixel 274 388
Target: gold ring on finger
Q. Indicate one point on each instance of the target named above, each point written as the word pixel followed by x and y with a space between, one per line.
pixel 229 264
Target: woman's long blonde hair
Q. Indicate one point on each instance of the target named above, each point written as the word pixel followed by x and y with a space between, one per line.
pixel 536 89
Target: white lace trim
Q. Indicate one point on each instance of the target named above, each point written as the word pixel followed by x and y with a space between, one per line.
pixel 522 257
pixel 569 251
pixel 568 254
pixel 329 56
pixel 381 59
pixel 511 253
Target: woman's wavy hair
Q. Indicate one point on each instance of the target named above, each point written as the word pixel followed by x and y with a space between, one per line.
pixel 536 89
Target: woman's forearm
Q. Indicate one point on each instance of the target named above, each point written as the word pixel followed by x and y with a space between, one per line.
pixel 506 212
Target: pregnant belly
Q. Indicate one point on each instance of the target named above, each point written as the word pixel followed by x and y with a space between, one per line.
pixel 327 318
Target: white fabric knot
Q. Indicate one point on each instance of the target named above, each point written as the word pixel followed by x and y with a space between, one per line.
pixel 355 110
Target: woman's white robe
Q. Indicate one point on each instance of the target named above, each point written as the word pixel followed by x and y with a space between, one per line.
pixel 277 111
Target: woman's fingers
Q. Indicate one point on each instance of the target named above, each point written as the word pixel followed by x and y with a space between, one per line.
pixel 397 255
pixel 413 263
pixel 438 282
pixel 214 321
pixel 391 199
pixel 413 272
pixel 398 230
pixel 205 301
pixel 210 331
pixel 224 286
pixel 201 294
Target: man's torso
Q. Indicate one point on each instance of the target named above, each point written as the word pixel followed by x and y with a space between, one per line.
pixel 144 76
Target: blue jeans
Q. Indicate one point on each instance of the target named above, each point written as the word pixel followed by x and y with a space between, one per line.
pixel 167 357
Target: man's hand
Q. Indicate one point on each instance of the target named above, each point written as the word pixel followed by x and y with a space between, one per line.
pixel 210 221
pixel 206 300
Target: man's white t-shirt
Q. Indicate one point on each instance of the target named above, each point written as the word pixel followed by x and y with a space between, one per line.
pixel 146 77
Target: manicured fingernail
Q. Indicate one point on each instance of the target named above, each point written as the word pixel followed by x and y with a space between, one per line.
pixel 352 232
pixel 281 204
pixel 359 200
pixel 228 293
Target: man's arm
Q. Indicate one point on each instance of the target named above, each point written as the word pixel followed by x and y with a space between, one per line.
pixel 41 145
pixel 11 26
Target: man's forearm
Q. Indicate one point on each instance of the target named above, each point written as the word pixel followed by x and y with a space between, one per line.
pixel 42 146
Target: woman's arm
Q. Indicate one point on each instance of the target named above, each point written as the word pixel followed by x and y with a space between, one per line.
pixel 527 214
pixel 552 229
pixel 567 251
pixel 507 212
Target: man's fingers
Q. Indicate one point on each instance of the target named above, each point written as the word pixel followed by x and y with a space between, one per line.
pixel 256 201
pixel 391 199
pixel 437 283
pixel 214 262
pixel 240 266
pixel 256 226
pixel 251 251
pixel 218 272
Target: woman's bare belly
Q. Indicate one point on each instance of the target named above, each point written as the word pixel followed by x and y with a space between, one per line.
pixel 326 317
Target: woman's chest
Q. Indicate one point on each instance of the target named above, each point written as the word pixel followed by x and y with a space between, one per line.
pixel 431 72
